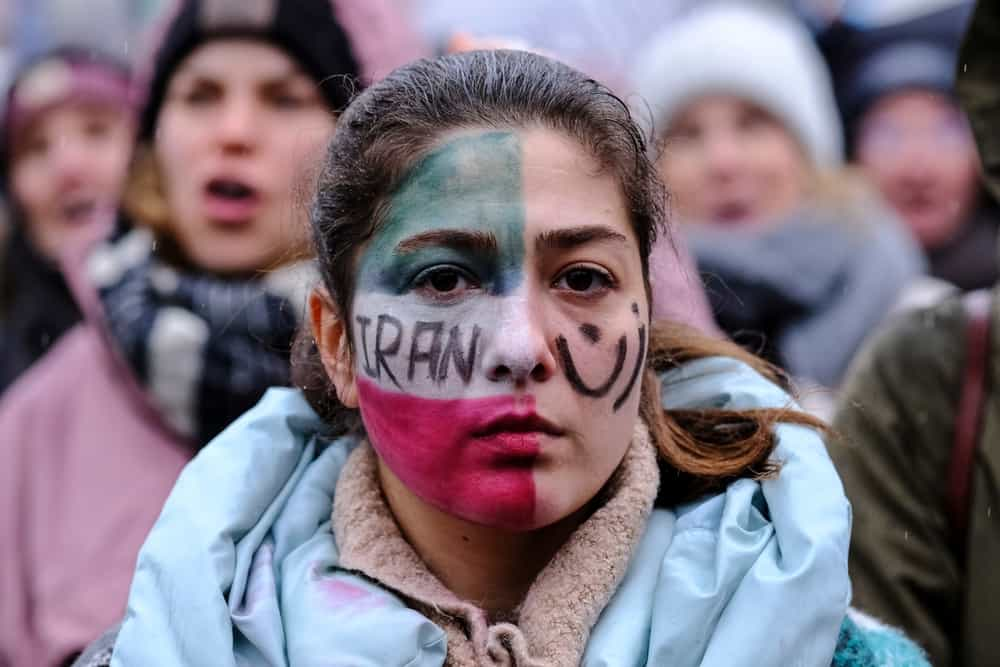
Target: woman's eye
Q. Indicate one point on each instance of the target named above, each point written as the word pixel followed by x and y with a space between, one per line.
pixel 97 129
pixel 683 134
pixel 753 120
pixel 584 280
pixel 444 282
pixel 288 101
pixel 201 95
pixel 35 146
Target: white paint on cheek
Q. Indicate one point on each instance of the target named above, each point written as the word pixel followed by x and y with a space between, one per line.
pixel 427 350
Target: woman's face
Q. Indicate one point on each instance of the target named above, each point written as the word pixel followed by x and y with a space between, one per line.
pixel 499 329
pixel 918 149
pixel 728 161
pixel 67 165
pixel 239 121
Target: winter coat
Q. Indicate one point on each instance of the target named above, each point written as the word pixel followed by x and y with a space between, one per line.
pixel 806 291
pixel 896 425
pixel 306 565
pixel 897 422
pixel 89 458
pixel 88 464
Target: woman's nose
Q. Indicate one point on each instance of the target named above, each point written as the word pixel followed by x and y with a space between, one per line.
pixel 722 154
pixel 70 160
pixel 522 351
pixel 237 126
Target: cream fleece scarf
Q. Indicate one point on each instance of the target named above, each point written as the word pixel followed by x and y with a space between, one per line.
pixel 554 621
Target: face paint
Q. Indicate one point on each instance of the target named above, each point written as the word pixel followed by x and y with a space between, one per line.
pixel 591 332
pixel 454 301
pixel 455 454
pixel 470 182
pixel 432 442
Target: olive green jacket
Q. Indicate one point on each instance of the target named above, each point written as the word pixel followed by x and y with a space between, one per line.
pixel 895 429
pixel 893 449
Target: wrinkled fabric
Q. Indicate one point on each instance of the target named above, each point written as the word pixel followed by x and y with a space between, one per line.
pixel 89 458
pixel 242 567
pixel 86 467
pixel 204 348
pixel 810 289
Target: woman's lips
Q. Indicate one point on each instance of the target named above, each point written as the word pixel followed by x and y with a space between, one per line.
pixel 732 212
pixel 515 436
pixel 230 202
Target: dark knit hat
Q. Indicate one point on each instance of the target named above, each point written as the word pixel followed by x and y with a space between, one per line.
pixel 873 62
pixel 307 30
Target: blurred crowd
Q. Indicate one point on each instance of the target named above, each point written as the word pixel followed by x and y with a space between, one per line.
pixel 828 201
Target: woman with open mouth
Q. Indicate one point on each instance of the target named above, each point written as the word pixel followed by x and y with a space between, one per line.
pixel 65 138
pixel 493 456
pixel 189 316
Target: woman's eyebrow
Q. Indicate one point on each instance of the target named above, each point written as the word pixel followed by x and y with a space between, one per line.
pixel 458 239
pixel 572 237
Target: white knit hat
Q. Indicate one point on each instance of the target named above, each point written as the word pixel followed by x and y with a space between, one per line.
pixel 751 50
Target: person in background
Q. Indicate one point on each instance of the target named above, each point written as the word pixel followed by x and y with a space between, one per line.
pixel 189 317
pixel 919 445
pixel 796 253
pixel 529 470
pixel 65 140
pixel 905 129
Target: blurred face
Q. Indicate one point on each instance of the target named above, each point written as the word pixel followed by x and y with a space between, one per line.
pixel 918 149
pixel 239 122
pixel 728 161
pixel 67 165
pixel 499 329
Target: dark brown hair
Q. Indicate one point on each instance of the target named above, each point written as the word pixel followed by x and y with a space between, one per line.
pixel 390 126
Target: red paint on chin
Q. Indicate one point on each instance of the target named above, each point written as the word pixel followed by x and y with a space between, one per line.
pixel 430 445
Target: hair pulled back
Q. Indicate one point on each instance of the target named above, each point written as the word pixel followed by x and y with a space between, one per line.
pixel 391 125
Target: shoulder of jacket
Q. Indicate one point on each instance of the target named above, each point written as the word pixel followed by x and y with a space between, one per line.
pixel 920 338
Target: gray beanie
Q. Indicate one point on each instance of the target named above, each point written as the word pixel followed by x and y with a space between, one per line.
pixel 751 50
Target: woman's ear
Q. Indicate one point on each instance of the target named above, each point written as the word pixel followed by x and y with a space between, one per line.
pixel 331 335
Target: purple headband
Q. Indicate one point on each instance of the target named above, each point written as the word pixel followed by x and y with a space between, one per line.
pixel 56 81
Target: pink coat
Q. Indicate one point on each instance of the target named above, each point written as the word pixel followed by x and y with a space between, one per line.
pixel 87 464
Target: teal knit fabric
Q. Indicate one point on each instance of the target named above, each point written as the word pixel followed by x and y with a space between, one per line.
pixel 864 642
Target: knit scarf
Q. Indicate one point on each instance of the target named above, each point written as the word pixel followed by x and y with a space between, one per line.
pixel 204 348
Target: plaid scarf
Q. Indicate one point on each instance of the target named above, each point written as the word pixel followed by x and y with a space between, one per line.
pixel 205 348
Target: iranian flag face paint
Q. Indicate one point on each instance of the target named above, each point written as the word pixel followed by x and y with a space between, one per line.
pixel 499 328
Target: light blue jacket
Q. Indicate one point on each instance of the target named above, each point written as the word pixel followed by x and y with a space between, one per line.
pixel 231 573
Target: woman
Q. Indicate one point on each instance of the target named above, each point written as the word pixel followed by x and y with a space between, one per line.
pixel 506 487
pixel 66 137
pixel 802 261
pixel 896 87
pixel 189 318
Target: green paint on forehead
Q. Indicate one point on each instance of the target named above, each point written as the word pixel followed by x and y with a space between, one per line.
pixel 470 183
